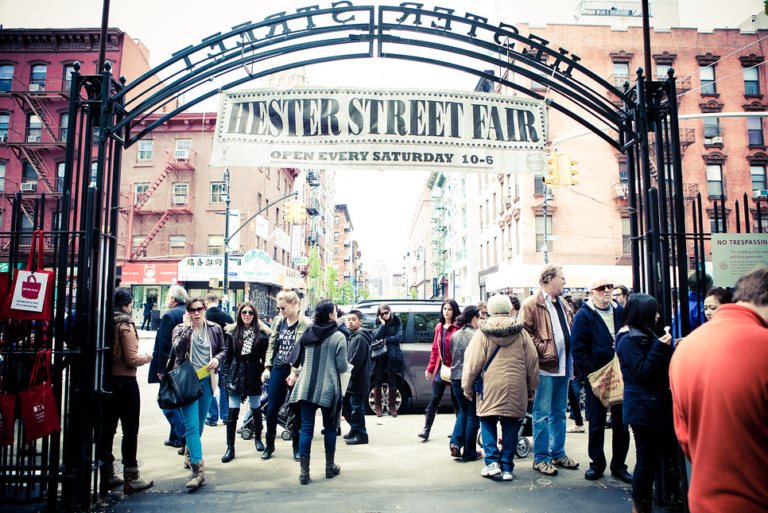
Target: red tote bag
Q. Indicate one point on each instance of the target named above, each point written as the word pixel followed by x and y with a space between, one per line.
pixel 38 406
pixel 30 296
pixel 7 407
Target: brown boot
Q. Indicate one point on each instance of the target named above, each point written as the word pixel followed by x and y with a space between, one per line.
pixel 392 402
pixel 197 479
pixel 377 401
pixel 642 506
pixel 133 481
pixel 186 458
pixel 108 478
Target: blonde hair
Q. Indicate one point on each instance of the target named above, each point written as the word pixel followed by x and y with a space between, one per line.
pixel 548 272
pixel 288 295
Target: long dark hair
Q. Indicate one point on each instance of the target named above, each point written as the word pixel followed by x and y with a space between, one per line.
pixel 640 313
pixel 323 311
pixel 237 335
pixel 469 313
pixel 384 307
pixel 454 307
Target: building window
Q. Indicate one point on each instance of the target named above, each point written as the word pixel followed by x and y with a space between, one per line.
pixel 63 128
pixel 495 211
pixel 755 131
pixel 481 217
pixel 661 70
pixel 540 233
pixel 6 78
pixel 707 76
pixel 715 180
pixel 625 236
pixel 336 220
pixel 180 194
pixel 758 178
pixel 2 176
pixel 336 236
pixel 94 171
pixel 34 128
pixel 335 252
pixel 517 236
pixel 538 186
pixel 488 254
pixel 215 244
pixel 5 120
pixel 60 171
pixel 183 147
pixel 37 79
pixel 712 132
pixel 67 80
pixel 716 225
pixel 487 213
pixel 620 73
pixel 751 82
pixel 178 243
pixel 495 251
pixel 217 191
pixel 482 263
pixel 139 188
pixel 623 172
pixel 145 149
pixel 135 243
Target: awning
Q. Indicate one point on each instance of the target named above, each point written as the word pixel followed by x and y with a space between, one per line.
pixel 576 276
pixel 146 274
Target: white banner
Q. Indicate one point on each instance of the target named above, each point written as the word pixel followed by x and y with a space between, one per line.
pixel 282 239
pixel 262 226
pixel 381 129
pixel 296 243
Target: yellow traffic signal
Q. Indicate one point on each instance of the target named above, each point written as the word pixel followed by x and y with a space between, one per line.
pixel 570 176
pixel 301 213
pixel 288 212
pixel 553 178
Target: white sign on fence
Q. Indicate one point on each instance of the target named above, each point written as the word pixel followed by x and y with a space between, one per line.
pixel 735 254
pixel 356 128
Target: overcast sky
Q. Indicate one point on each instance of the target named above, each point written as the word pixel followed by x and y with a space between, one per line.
pixel 381 204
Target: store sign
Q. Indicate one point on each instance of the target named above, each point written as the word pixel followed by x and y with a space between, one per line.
pixel 354 128
pixel 257 267
pixel 147 274
pixel 282 239
pixel 262 227
pixel 296 240
pixel 286 277
pixel 203 268
pixel 736 254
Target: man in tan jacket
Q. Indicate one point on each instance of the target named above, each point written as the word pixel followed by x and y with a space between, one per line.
pixel 548 319
pixel 502 352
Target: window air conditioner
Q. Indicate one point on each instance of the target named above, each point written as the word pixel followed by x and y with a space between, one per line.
pixel 179 200
pixel 33 138
pixel 716 140
pixel 35 87
pixel 181 155
pixel 508 200
pixel 29 186
pixel 760 193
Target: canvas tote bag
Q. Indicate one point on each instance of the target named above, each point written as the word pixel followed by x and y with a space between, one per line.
pixel 608 384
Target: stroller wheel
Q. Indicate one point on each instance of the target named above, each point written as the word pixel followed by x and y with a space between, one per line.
pixel 286 435
pixel 523 447
pixel 246 433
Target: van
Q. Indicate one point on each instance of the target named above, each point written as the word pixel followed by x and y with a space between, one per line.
pixel 419 318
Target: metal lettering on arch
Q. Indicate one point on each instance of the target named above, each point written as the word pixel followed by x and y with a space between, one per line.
pixel 357 128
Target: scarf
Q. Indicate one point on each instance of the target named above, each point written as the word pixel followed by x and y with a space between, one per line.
pixel 249 336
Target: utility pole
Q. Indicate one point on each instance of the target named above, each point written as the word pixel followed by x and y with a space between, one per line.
pixel 647 40
pixel 424 266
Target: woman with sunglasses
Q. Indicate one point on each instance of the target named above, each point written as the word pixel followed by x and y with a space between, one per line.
pixel 241 371
pixel 389 329
pixel 202 343
pixel 441 355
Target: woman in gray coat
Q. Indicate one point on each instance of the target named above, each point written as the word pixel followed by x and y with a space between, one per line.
pixel 467 423
pixel 321 355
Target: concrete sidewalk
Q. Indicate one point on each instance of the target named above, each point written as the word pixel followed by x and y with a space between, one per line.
pixel 396 471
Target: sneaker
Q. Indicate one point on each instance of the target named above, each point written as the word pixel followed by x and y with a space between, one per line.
pixel 491 470
pixel 566 462
pixel 545 467
pixel 575 429
pixel 507 476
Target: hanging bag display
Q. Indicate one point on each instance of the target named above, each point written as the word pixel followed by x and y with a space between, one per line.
pixel 31 293
pixel 608 384
pixel 180 386
pixel 38 405
pixel 7 407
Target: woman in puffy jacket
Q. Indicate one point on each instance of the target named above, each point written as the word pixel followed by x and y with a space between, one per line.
pixel 644 360
pixel 441 355
pixel 389 329
pixel 241 371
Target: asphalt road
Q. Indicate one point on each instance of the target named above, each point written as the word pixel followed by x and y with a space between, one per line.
pixel 397 471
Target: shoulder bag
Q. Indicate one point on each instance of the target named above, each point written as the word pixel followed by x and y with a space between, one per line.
pixel 479 380
pixel 180 386
pixel 608 383
pixel 445 371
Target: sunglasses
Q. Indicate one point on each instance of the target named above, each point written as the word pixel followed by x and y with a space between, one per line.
pixel 246 312
pixel 197 310
pixel 385 313
pixel 603 288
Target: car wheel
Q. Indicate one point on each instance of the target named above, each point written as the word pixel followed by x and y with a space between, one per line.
pixel 401 400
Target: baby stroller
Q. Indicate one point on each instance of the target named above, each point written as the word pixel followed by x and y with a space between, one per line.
pixel 285 418
pixel 526 430
pixel 248 428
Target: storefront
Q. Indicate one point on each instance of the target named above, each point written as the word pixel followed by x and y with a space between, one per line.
pixel 148 282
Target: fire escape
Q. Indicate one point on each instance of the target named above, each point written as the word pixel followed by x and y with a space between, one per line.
pixel 176 201
pixel 33 143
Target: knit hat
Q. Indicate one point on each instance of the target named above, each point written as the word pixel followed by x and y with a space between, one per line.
pixel 123 296
pixel 706 282
pixel 499 304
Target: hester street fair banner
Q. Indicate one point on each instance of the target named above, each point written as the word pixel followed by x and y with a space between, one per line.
pixel 352 128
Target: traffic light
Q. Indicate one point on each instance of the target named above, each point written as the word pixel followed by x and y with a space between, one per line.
pixel 301 213
pixel 572 171
pixel 288 212
pixel 553 178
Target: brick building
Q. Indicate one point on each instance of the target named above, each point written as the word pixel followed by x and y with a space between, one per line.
pixel 346 255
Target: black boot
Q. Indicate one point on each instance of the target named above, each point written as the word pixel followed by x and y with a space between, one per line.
pixel 231 432
pixel 304 475
pixel 331 469
pixel 180 452
pixel 296 455
pixel 257 426
pixel 430 418
pixel 269 450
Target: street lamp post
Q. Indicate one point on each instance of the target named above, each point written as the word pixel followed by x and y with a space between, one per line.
pixel 424 266
pixel 547 199
pixel 225 295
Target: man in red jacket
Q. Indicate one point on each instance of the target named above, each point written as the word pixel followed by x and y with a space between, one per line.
pixel 719 379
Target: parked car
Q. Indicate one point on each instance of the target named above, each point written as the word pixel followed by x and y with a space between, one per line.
pixel 419 318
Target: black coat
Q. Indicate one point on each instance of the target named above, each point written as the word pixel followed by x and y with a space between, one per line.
pixel 242 376
pixel 219 316
pixel 392 334
pixel 359 355
pixel 592 344
pixel 164 341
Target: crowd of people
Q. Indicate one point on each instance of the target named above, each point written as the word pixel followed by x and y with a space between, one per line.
pixel 503 362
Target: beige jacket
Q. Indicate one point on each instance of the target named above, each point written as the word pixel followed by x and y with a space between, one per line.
pixel 125 347
pixel 513 375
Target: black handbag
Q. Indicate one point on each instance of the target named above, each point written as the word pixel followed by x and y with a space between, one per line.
pixel 179 386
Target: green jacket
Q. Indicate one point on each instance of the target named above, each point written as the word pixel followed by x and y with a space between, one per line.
pixel 304 323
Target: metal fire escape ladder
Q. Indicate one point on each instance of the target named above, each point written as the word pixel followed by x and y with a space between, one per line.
pixel 38 107
pixel 152 188
pixel 38 164
pixel 148 239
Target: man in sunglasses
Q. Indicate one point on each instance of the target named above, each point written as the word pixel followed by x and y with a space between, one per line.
pixel 594 331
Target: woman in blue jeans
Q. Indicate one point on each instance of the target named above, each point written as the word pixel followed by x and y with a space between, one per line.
pixel 202 343
pixel 321 355
pixel 465 430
